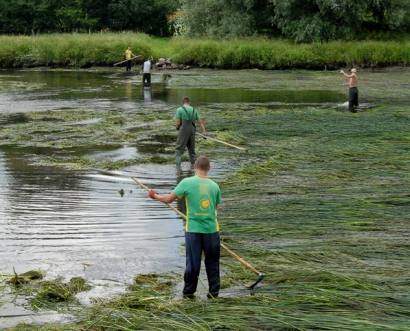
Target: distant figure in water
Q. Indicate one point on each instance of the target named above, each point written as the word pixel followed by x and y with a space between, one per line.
pixel 186 119
pixel 128 56
pixel 353 90
pixel 146 73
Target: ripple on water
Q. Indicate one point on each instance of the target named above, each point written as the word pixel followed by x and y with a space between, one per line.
pixel 78 224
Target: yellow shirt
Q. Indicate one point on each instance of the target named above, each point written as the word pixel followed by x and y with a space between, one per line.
pixel 128 54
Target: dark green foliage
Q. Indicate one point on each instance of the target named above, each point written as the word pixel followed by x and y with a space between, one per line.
pixel 324 20
pixel 220 18
pixel 300 20
pixel 40 16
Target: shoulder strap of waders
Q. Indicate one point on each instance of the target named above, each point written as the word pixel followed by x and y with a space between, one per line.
pixel 193 115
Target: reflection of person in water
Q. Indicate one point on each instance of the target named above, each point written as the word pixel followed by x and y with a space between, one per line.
pixel 147 95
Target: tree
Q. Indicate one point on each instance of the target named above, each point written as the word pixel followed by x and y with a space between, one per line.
pixel 324 20
pixel 225 18
pixel 39 16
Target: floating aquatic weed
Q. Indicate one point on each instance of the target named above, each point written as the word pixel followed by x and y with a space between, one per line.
pixel 26 277
pixel 53 291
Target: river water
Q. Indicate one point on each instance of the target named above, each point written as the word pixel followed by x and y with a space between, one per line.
pixel 101 225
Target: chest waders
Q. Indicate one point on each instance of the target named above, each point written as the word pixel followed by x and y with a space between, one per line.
pixel 353 99
pixel 186 139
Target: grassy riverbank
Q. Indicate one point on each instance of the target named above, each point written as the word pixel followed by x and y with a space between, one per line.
pixel 84 50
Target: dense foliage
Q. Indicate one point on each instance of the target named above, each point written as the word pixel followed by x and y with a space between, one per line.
pixel 300 20
pixel 324 20
pixel 39 16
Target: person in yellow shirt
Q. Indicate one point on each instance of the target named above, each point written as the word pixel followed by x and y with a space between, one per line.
pixel 128 56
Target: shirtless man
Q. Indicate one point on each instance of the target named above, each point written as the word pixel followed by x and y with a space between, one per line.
pixel 353 91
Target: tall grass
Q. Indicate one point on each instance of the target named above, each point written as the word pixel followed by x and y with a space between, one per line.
pixel 273 54
pixel 75 50
pixel 84 50
pixel 79 50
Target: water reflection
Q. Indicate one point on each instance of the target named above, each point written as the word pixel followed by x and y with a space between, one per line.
pixel 147 92
pixel 75 223
pixel 62 221
pixel 47 90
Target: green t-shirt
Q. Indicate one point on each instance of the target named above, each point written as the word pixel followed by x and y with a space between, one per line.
pixel 202 196
pixel 188 115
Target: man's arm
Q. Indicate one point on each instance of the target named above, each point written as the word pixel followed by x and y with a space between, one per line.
pixel 166 198
pixel 178 123
pixel 202 124
pixel 345 74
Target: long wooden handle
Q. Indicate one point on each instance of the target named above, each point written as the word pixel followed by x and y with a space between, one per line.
pixel 115 64
pixel 240 259
pixel 221 141
pixel 227 249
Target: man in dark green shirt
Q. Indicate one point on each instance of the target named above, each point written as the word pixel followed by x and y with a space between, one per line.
pixel 202 197
pixel 186 119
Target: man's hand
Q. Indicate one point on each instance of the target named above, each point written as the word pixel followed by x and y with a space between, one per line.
pixel 342 71
pixel 152 194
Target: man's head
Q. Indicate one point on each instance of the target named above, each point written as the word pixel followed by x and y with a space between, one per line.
pixel 186 100
pixel 202 165
pixel 129 47
pixel 353 70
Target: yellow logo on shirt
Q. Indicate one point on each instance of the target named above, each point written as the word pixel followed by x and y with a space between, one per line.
pixel 205 204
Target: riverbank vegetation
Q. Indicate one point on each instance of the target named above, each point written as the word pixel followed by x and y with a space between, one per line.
pixel 104 49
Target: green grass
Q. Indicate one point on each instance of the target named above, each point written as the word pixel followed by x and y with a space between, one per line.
pixel 104 49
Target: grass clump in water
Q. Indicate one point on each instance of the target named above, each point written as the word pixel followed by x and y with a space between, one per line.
pixel 26 277
pixel 57 291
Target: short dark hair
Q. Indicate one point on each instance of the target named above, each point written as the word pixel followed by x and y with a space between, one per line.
pixel 186 99
pixel 203 163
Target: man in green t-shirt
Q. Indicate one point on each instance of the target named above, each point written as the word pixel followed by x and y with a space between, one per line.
pixel 186 119
pixel 202 197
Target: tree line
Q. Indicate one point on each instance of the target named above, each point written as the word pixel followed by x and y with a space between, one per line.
pixel 45 16
pixel 299 20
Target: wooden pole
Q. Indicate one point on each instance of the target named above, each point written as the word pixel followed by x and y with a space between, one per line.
pixel 221 142
pixel 227 249
pixel 118 63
